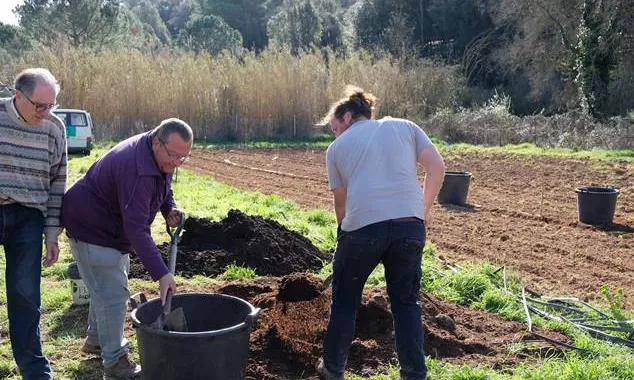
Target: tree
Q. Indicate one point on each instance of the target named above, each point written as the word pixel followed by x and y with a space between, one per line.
pixel 297 26
pixel 13 40
pixel 332 32
pixel 398 36
pixel 621 87
pixel 135 33
pixel 447 27
pixel 572 44
pixel 332 29
pixel 176 13
pixel 148 15
pixel 210 33
pixel 371 21
pixel 437 27
pixel 246 16
pixel 80 22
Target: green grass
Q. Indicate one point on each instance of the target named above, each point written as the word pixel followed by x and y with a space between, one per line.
pixel 475 285
pixel 532 149
pixel 234 272
pixel 321 140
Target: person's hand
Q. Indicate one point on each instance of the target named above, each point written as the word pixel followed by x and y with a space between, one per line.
pixel 166 282
pixel 52 253
pixel 174 218
pixel 427 218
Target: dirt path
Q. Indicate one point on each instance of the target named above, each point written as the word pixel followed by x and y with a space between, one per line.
pixel 523 212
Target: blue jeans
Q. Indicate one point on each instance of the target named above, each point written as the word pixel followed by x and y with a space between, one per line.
pixel 398 245
pixel 105 273
pixel 21 230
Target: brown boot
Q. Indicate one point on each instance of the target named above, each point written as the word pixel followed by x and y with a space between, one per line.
pixel 122 369
pixel 324 373
pixel 90 349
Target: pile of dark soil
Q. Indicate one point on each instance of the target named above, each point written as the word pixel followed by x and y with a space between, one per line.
pixel 207 247
pixel 288 338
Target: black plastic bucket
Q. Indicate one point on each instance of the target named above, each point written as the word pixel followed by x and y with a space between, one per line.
pixel 455 188
pixel 596 204
pixel 215 347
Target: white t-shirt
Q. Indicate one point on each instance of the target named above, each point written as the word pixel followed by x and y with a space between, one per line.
pixel 376 161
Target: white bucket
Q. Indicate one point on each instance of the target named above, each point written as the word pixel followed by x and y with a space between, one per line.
pixel 81 295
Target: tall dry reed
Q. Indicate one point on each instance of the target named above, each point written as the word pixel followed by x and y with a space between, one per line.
pixel 270 95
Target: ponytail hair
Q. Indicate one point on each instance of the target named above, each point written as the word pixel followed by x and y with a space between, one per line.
pixel 355 101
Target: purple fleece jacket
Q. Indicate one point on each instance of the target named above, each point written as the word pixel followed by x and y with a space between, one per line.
pixel 115 202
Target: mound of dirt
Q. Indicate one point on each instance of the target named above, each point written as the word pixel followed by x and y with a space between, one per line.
pixel 299 287
pixel 288 338
pixel 207 247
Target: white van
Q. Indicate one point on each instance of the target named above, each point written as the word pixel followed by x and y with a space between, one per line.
pixel 78 129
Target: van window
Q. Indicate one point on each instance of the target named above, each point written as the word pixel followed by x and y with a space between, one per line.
pixel 62 116
pixel 78 119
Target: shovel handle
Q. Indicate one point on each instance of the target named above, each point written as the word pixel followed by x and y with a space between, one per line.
pixel 177 231
pixel 171 265
pixel 167 307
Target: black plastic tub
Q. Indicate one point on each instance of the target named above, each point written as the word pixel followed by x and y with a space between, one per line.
pixel 596 204
pixel 216 345
pixel 455 188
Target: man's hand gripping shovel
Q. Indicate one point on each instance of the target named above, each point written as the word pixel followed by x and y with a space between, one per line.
pixel 172 320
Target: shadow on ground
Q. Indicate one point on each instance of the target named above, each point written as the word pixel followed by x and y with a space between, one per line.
pixel 71 323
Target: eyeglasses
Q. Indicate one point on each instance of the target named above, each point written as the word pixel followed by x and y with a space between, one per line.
pixel 39 107
pixel 174 156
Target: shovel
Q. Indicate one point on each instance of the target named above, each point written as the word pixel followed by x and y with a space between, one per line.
pixel 172 320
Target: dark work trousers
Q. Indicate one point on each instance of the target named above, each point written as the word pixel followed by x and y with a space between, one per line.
pixel 398 244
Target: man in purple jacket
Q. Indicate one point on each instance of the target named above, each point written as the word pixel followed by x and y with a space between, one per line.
pixel 107 214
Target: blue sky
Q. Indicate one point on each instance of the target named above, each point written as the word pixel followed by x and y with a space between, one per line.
pixel 6 16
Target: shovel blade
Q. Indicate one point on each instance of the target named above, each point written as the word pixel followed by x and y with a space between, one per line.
pixel 159 324
pixel 175 321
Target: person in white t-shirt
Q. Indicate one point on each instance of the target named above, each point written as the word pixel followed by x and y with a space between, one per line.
pixel 381 211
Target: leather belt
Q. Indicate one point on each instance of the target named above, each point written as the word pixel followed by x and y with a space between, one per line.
pixel 406 219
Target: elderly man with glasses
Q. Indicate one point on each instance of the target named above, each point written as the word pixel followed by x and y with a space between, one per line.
pixel 32 182
pixel 107 214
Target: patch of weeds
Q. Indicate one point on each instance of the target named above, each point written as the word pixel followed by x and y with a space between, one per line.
pixel 469 285
pixel 320 217
pixel 235 272
pixel 496 301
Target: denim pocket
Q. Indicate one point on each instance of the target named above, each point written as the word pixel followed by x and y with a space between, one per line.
pixel 356 256
pixel 362 240
pixel 412 245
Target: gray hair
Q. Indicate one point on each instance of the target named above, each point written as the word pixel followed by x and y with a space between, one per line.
pixel 28 79
pixel 173 125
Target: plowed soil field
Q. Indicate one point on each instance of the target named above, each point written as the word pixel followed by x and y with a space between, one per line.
pixel 521 212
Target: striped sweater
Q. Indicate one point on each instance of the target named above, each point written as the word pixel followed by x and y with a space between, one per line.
pixel 33 165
